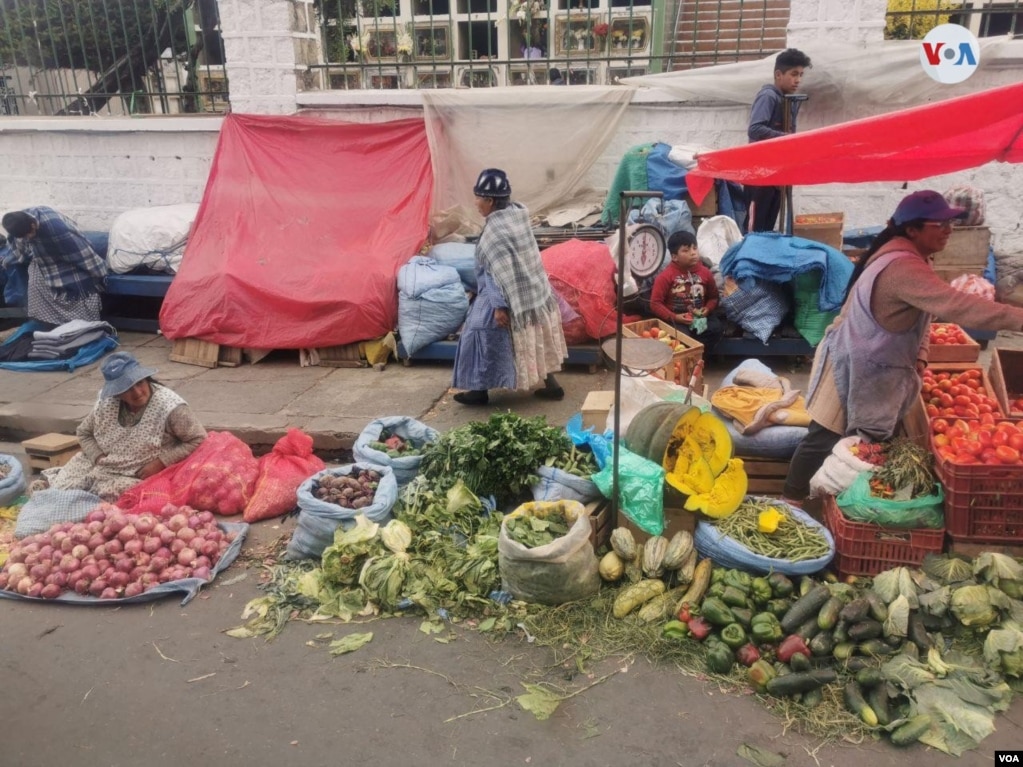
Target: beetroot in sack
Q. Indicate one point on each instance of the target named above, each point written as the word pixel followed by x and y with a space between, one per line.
pixel 219 476
pixel 281 471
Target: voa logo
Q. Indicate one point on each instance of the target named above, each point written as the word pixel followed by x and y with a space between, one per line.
pixel 1007 757
pixel 949 53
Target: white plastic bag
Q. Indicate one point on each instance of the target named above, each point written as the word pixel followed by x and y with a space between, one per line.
pixel 150 237
pixel 974 285
pixel 715 236
pixel 840 469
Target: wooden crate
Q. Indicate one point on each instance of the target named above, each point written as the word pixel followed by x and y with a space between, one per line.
pixel 765 476
pixel 968 352
pixel 820 227
pixel 965 253
pixel 346 356
pixel 689 351
pixel 602 522
pixel 596 408
pixel 1006 374
pixel 50 450
pixel 194 351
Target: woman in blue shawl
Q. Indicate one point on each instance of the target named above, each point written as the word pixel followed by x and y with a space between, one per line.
pixel 512 337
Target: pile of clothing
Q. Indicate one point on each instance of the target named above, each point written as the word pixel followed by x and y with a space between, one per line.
pixel 57 342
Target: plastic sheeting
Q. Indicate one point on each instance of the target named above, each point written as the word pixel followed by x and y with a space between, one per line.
pixel 915 143
pixel 301 232
pixel 546 139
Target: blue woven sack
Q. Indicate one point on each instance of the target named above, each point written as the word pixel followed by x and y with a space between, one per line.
pixel 12 485
pixel 409 429
pixel 728 552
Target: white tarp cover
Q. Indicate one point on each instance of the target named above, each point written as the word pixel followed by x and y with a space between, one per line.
pixel 546 137
pixel 856 79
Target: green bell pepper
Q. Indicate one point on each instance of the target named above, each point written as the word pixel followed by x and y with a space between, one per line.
pixel 779 607
pixel 720 659
pixel 739 579
pixel 716 612
pixel 717 575
pixel 715 589
pixel 765 628
pixel 781 585
pixel 760 589
pixel 759 674
pixel 734 636
pixel 734 597
pixel 743 616
pixel 675 630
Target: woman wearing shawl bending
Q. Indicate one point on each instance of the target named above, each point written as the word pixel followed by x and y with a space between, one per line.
pixel 512 338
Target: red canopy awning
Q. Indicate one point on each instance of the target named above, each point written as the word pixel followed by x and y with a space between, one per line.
pixel 907 145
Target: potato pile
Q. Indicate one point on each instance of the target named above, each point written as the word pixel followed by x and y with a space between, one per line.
pixel 352 491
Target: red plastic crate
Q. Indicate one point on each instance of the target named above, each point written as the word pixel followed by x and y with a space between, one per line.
pixel 862 548
pixel 983 504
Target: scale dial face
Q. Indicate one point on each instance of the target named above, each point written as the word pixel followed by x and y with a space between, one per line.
pixel 645 251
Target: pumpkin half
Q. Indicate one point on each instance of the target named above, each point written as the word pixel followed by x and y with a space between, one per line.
pixel 725 496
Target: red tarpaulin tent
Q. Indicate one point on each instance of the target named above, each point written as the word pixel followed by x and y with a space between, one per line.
pixel 907 145
pixel 301 232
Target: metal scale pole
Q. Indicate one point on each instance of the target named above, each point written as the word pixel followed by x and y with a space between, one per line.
pixel 623 209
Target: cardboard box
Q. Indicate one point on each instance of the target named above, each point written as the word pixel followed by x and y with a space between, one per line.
pixel 1006 374
pixel 965 253
pixel 50 450
pixel 596 408
pixel 820 227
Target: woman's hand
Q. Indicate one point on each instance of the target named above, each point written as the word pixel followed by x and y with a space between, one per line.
pixel 502 318
pixel 685 319
pixel 921 366
pixel 151 468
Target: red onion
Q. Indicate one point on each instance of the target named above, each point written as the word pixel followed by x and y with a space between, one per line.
pixel 105 575
pixel 64 527
pixel 214 535
pixel 58 578
pixel 90 572
pixel 96 540
pixel 96 515
pixel 148 580
pixel 81 551
pixel 109 593
pixel 103 565
pixel 202 561
pixel 97 587
pixel 17 556
pixel 81 586
pixel 201 572
pixel 137 573
pixel 119 580
pixel 165 575
pixel 186 534
pixel 67 544
pixel 164 553
pixel 39 572
pixel 211 549
pixel 168 511
pixel 57 538
pixel 145 524
pixel 94 528
pixel 158 564
pixel 177 522
pixel 50 591
pixel 3 580
pixel 127 533
pixel 114 547
pixel 46 552
pixel 177 546
pixel 29 548
pixel 117 522
pixel 133 547
pixel 100 552
pixel 35 590
pixel 186 557
pixel 151 545
pixel 194 523
pixel 205 517
pixel 133 589
pixel 31 560
pixel 124 565
pixel 57 556
pixel 69 564
pixel 17 571
pixel 24 585
pixel 167 536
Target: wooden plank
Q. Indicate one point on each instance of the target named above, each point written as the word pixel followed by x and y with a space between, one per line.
pixel 230 356
pixel 347 356
pixel 193 351
pixel 50 444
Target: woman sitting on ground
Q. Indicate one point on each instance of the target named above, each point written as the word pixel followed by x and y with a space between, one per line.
pixel 136 429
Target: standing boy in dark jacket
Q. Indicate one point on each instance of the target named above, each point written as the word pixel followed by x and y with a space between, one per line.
pixel 767 120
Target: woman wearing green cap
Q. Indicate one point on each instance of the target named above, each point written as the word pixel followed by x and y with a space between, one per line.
pixel 137 428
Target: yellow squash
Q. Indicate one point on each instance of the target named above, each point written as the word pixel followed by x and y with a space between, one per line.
pixel 726 495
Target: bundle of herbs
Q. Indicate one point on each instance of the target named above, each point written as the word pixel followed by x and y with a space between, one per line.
pixel 533 531
pixel 907 472
pixel 500 456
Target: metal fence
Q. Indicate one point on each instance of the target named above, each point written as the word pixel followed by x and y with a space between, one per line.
pixel 80 57
pixel 913 19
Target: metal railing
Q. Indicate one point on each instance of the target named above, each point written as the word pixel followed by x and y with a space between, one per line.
pixel 80 57
pixel 913 19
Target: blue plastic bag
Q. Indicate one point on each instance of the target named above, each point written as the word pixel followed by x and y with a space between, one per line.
pixel 12 485
pixel 409 429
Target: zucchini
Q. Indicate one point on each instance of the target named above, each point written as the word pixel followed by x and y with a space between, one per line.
pixel 809 629
pixel 856 664
pixel 822 644
pixel 874 647
pixel 855 611
pixel 843 650
pixel 806 585
pixel 799 662
pixel 864 630
pixel 856 703
pixel 869 677
pixel 841 632
pixel 813 698
pixel 877 699
pixel 827 618
pixel 802 681
pixel 805 608
pixel 878 609
pixel 698 586
pixel 910 732
pixel 917 634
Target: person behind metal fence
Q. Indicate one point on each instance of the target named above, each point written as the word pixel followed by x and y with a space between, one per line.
pixel 685 293
pixel 555 77
pixel 65 274
pixel 137 428
pixel 867 370
pixel 512 337
pixel 767 120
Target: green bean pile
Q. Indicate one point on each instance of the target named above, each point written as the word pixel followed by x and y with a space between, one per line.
pixel 793 541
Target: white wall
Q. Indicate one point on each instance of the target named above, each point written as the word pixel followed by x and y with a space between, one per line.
pixel 94 168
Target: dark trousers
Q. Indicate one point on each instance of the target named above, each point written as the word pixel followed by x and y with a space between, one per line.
pixel 765 204
pixel 709 337
pixel 809 456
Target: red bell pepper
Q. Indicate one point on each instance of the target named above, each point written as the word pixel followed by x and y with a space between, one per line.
pixel 699 628
pixel 748 654
pixel 684 615
pixel 790 646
